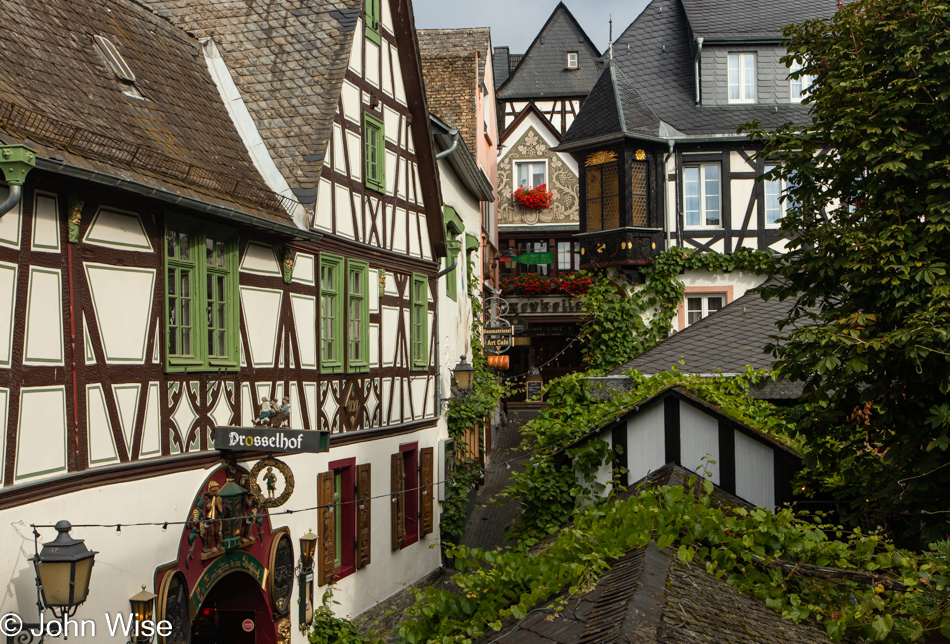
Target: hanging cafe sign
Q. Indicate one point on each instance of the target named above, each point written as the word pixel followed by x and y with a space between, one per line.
pixel 498 339
pixel 256 439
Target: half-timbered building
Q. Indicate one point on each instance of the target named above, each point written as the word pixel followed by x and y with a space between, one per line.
pixel 235 211
pixel 539 95
pixel 661 161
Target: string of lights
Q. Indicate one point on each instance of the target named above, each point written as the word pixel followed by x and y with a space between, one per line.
pixel 494 466
pixel 542 366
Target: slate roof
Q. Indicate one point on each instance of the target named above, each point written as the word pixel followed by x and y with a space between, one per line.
pixel 655 55
pixel 501 65
pixel 613 106
pixel 55 89
pixel 729 20
pixel 288 60
pixel 452 73
pixel 725 341
pixel 542 72
pixel 648 596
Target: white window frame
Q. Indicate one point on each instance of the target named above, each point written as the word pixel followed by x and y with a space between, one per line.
pixel 774 188
pixel 798 89
pixel 738 77
pixel 573 65
pixel 703 210
pixel 568 256
pixel 519 162
pixel 704 306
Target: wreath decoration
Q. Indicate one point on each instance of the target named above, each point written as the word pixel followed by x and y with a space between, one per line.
pixel 255 488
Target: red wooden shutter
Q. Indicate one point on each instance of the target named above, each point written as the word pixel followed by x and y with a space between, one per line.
pixel 363 514
pixel 326 555
pixel 398 501
pixel 427 460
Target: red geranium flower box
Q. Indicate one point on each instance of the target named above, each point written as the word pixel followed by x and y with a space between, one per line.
pixel 536 198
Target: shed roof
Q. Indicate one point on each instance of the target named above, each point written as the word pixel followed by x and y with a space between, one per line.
pixel 59 95
pixel 542 72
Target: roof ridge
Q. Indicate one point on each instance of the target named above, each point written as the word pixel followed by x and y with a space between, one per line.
pixel 561 8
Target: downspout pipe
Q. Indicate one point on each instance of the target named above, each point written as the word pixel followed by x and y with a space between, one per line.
pixel 666 195
pixel 454 133
pixel 12 200
pixel 447 269
pixel 699 53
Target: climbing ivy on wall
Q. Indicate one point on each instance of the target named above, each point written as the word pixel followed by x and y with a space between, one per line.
pixel 624 320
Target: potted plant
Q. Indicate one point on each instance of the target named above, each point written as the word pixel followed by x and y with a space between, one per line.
pixel 538 198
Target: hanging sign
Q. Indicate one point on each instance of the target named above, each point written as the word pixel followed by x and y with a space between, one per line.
pixel 498 340
pixel 519 325
pixel 534 259
pixel 255 439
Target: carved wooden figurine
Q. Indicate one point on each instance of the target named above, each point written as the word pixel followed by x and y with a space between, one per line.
pixel 264 417
pixel 214 512
pixel 281 417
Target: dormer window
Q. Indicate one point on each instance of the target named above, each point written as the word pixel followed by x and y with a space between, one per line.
pixel 742 78
pixel 117 65
pixel 572 60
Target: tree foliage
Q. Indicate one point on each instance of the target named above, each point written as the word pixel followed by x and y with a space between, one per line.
pixel 868 207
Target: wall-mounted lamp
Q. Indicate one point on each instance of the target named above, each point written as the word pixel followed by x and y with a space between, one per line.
pixel 143 610
pixel 308 548
pixel 464 375
pixel 63 570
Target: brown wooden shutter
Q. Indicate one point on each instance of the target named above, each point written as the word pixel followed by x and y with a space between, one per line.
pixel 426 462
pixel 326 551
pixel 363 513
pixel 398 501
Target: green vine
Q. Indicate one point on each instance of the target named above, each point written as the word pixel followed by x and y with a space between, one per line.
pixel 327 628
pixel 624 320
pixel 463 415
pixel 861 585
pixel 552 490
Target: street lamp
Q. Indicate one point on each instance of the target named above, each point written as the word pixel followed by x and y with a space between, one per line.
pixel 63 570
pixel 464 376
pixel 143 610
pixel 308 547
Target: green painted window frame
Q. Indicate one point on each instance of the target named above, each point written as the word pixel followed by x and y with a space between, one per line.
pixel 374 153
pixel 338 518
pixel 359 270
pixel 224 274
pixel 453 249
pixel 331 317
pixel 419 323
pixel 373 15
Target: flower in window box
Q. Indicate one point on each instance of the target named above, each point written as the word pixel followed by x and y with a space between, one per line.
pixel 538 198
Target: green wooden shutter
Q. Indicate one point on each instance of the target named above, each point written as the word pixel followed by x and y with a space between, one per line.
pixel 372 20
pixel 374 153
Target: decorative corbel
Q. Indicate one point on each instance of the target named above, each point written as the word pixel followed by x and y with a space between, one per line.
pixel 288 265
pixel 75 218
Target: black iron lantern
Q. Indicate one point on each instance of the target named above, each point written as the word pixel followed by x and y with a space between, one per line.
pixel 232 497
pixel 143 610
pixel 464 375
pixel 63 570
pixel 308 547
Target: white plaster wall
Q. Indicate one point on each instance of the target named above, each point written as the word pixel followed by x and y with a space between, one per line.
pixel 129 558
pixel 740 281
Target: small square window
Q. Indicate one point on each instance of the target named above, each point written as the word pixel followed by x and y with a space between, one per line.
pixel 531 174
pixel 701 196
pixel 742 78
pixel 572 60
pixel 700 306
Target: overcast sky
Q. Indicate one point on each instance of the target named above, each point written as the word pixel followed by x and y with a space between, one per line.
pixel 515 23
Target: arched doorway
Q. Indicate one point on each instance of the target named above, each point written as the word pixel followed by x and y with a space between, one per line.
pixel 234 612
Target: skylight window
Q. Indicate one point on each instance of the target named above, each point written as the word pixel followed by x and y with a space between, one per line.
pixel 114 60
pixel 572 60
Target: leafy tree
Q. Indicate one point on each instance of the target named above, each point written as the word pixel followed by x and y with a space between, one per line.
pixel 868 206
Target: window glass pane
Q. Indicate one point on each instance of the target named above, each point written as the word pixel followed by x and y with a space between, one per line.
pixel 522 174
pixel 184 248
pixel 733 77
pixel 748 61
pixel 711 191
pixel 537 175
pixel 714 304
pixel 172 281
pixel 691 195
pixel 186 341
pixel 172 243
pixel 694 309
pixel 209 245
pixel 564 256
pixel 773 204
